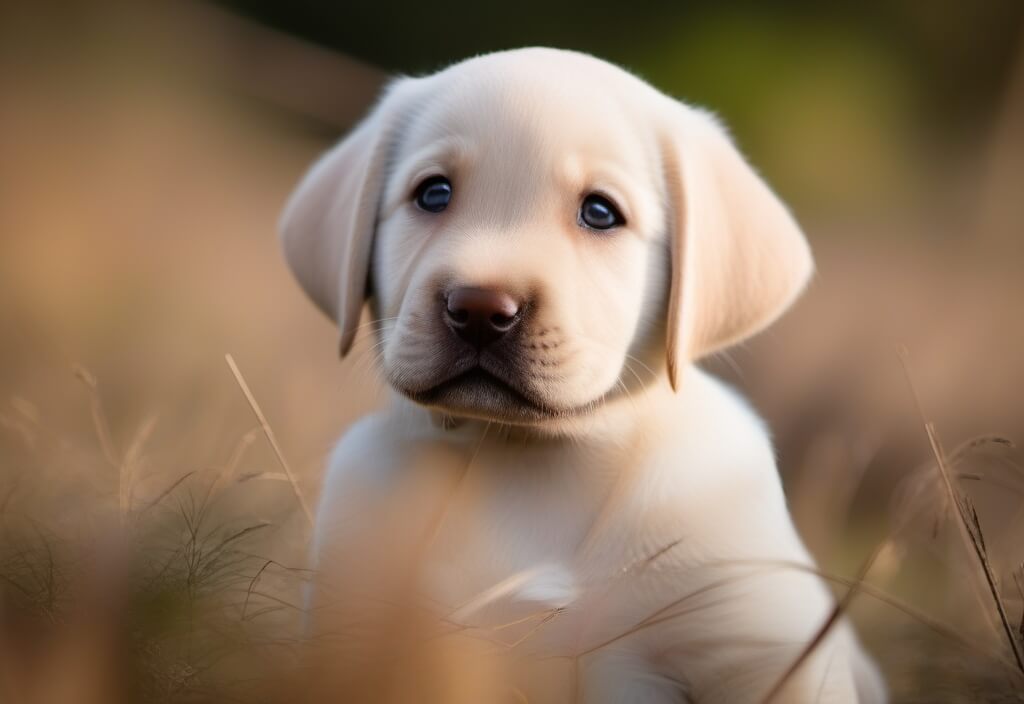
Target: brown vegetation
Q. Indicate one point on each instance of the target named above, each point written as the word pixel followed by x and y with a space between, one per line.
pixel 152 533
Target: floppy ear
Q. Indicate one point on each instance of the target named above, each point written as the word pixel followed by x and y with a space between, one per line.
pixel 328 224
pixel 738 257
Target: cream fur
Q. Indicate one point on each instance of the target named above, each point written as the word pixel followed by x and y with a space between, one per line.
pixel 629 450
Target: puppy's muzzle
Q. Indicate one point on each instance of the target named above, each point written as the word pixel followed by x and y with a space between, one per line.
pixel 481 316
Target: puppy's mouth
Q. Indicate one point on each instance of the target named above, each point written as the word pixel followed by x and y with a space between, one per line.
pixel 478 393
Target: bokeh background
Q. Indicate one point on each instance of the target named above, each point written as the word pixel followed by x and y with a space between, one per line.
pixel 146 150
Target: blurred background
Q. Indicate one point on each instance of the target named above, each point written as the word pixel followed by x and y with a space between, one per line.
pixel 146 150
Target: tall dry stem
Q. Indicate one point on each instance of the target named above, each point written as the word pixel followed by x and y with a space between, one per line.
pixel 269 433
pixel 967 519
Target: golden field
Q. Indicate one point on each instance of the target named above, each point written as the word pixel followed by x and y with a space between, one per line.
pixel 151 544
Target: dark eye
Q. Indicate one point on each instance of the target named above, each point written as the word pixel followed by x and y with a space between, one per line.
pixel 434 194
pixel 598 213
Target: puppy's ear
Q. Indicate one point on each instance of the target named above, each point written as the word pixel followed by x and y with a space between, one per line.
pixel 738 257
pixel 328 224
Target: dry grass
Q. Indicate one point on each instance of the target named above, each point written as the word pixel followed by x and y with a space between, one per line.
pixel 164 592
pixel 152 537
pixel 268 431
pixel 169 598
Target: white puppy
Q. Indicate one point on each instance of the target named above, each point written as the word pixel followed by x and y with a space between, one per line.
pixel 548 244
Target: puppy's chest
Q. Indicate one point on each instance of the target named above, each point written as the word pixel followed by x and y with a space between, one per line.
pixel 527 535
pixel 511 513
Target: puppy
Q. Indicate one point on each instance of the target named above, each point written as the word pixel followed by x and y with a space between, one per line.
pixel 548 245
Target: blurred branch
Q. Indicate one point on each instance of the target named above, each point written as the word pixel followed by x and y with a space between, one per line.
pixel 1001 210
pixel 294 75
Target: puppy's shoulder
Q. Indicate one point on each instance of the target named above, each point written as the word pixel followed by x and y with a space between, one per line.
pixel 711 425
pixel 714 478
pixel 375 449
pixel 384 464
pixel 361 447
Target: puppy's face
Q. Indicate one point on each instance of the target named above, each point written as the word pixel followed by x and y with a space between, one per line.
pixel 519 245
pixel 538 232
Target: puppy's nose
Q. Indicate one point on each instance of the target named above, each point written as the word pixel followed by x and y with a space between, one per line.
pixel 480 315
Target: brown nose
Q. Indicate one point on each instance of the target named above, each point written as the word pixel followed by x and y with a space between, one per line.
pixel 480 315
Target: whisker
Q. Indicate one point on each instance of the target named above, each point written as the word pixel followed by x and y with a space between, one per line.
pixel 628 368
pixel 654 374
pixel 375 321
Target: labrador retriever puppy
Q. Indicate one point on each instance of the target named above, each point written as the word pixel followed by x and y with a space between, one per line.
pixel 548 246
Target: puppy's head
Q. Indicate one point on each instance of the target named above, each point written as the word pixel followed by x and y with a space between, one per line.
pixel 538 231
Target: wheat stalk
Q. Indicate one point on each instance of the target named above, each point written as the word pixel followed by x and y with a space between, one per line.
pixel 968 524
pixel 268 431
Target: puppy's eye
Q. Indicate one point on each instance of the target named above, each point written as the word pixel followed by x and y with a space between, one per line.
pixel 598 213
pixel 434 194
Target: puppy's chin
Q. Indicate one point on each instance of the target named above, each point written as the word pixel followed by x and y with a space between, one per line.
pixel 477 393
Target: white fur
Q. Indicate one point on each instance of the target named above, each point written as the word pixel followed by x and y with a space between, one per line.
pixel 644 498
